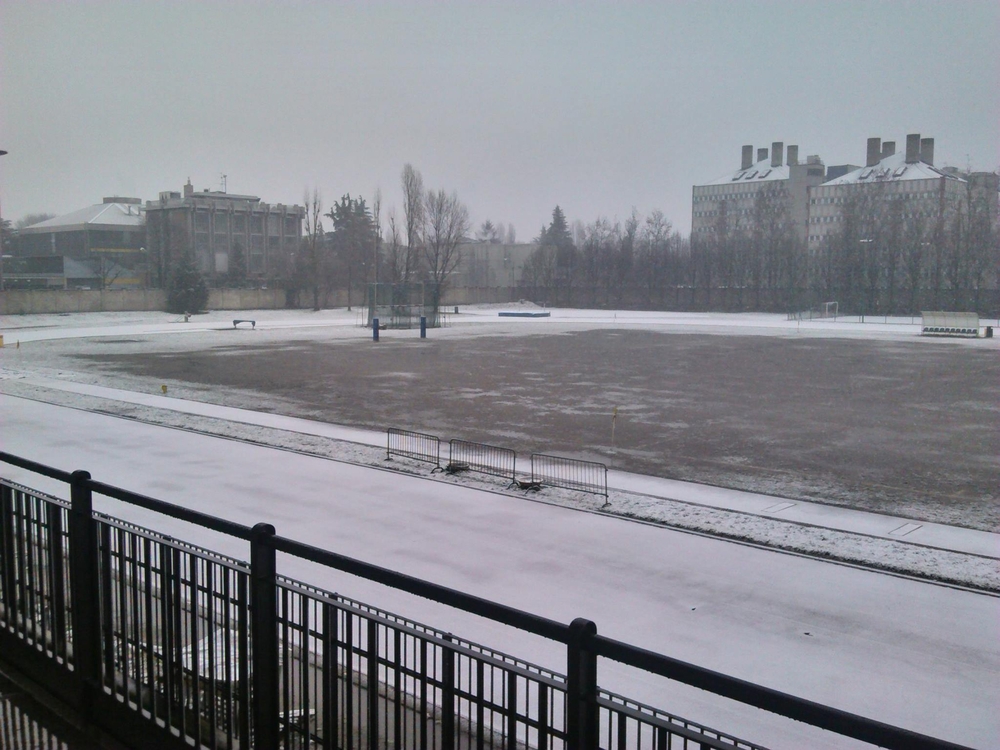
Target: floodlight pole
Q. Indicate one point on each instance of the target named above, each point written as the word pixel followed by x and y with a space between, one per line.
pixel 2 153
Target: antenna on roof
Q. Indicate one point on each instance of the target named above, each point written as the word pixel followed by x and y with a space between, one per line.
pixel 223 183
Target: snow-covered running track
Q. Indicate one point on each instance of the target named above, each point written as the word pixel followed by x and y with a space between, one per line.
pixel 913 654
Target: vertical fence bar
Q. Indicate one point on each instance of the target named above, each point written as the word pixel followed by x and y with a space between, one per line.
pixel 84 590
pixel 447 696
pixel 264 635
pixel 581 687
pixel 53 515
pixel 372 678
pixel 7 551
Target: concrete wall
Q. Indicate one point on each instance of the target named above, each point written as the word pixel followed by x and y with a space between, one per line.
pixel 22 302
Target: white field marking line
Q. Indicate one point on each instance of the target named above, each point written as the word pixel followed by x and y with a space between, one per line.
pixel 905 529
pixel 778 508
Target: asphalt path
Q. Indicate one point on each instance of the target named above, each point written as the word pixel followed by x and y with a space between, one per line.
pixel 909 653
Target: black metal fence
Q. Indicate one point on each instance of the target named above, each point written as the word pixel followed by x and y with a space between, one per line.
pixel 486 459
pixel 164 644
pixel 416 445
pixel 571 473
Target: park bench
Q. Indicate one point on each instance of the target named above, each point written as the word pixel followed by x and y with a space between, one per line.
pixel 253 323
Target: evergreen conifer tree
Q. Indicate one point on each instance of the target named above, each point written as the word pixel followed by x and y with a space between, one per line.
pixel 188 291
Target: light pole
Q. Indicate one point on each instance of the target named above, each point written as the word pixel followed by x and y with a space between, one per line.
pixel 2 153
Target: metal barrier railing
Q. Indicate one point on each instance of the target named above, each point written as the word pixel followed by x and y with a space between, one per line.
pixel 483 458
pixel 416 445
pixel 167 642
pixel 570 473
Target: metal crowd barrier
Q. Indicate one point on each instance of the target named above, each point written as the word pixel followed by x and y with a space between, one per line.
pixel 165 644
pixel 571 473
pixel 483 458
pixel 416 445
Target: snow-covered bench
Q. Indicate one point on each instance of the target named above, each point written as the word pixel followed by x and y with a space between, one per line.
pixel 941 323
pixel 253 323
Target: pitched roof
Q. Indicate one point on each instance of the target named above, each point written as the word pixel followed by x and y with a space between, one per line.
pixel 118 215
pixel 891 169
pixel 762 171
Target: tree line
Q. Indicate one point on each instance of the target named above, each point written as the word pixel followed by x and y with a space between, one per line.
pixel 884 258
pixel 354 248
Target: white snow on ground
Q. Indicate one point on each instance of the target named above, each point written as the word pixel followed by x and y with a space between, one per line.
pixel 963 556
pixel 909 653
pixel 906 652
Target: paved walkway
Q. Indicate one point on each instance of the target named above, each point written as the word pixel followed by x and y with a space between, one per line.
pixel 897 528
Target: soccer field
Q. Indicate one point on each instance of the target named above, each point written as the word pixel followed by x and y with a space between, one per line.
pixel 867 416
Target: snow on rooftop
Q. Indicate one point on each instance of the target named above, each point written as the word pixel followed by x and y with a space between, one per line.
pixel 762 171
pixel 891 169
pixel 100 214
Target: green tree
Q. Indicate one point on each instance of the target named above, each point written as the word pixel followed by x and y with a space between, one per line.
pixel 353 236
pixel 188 290
pixel 237 265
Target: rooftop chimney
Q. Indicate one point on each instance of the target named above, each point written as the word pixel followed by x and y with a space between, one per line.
pixel 792 157
pixel 912 148
pixel 747 157
pixel 927 151
pixel 874 152
pixel 188 189
pixel 777 152
pixel 888 148
pixel 762 154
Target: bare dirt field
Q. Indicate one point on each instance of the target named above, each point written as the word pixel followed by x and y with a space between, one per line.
pixel 892 426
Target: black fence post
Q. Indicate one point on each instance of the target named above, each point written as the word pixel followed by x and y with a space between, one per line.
pixel 7 553
pixel 85 591
pixel 447 696
pixel 264 636
pixel 581 686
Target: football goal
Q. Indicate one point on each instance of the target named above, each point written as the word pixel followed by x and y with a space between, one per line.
pixel 824 310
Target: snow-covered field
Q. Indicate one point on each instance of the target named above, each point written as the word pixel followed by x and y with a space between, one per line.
pixel 903 651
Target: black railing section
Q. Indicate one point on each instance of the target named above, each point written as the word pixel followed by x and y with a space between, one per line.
pixel 570 473
pixel 416 445
pixel 164 644
pixel 483 458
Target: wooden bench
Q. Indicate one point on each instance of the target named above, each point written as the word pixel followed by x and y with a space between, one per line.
pixel 253 323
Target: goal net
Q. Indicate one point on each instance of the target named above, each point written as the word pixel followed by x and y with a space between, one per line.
pixel 400 305
pixel 823 310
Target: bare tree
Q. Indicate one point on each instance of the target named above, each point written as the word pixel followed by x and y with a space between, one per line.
pixel 395 250
pixel 511 237
pixel 30 220
pixel 413 213
pixel 446 228
pixel 313 245
pixel 377 227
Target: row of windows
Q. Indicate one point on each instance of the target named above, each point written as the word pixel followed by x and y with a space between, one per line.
pixel 731 194
pixel 203 220
pixel 839 200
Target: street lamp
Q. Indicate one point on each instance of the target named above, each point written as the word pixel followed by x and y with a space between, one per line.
pixel 2 153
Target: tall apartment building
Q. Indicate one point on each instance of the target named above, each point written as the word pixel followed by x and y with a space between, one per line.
pixel 733 195
pixel 213 224
pixel 909 176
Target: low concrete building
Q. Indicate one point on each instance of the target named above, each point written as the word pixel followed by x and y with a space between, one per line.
pixel 217 225
pixel 100 246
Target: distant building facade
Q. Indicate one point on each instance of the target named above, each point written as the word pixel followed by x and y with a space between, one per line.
pixel 908 176
pixel 217 226
pixel 731 200
pixel 101 246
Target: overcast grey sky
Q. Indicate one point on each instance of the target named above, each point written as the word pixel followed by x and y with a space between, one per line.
pixel 519 107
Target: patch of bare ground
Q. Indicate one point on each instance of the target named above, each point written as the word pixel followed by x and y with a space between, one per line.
pixel 895 427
